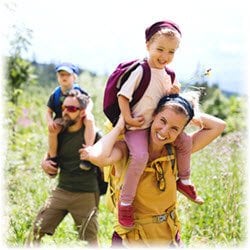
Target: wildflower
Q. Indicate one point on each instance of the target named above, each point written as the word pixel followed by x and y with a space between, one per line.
pixel 208 72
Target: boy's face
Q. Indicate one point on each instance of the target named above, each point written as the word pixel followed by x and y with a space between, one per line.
pixel 65 79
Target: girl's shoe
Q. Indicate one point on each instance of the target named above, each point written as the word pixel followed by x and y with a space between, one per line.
pixel 126 215
pixel 189 191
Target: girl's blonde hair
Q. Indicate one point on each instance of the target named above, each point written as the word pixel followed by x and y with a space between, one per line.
pixel 170 33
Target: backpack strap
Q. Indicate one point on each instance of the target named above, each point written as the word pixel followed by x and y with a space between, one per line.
pixel 146 80
pixel 143 83
pixel 171 73
pixel 57 93
pixel 170 152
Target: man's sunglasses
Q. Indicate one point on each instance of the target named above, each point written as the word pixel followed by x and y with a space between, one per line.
pixel 71 109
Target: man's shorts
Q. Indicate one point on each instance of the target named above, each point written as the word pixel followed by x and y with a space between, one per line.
pixel 80 205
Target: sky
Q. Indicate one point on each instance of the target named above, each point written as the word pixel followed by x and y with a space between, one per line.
pixel 99 34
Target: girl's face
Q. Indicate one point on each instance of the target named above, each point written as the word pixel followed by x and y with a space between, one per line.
pixel 65 79
pixel 161 50
pixel 166 126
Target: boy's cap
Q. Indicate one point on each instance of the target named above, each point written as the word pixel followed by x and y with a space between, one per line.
pixel 68 67
pixel 151 30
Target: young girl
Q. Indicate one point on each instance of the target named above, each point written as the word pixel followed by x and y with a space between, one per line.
pixel 66 76
pixel 162 41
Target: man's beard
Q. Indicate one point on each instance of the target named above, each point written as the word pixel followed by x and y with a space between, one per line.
pixel 66 122
pixel 69 122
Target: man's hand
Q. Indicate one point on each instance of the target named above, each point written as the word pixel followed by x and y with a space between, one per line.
pixel 49 167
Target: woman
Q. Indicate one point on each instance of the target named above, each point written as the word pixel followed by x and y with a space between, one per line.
pixel 156 221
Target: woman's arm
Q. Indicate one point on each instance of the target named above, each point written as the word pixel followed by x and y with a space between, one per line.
pixel 212 128
pixel 107 150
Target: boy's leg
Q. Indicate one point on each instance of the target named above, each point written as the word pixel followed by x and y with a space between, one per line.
pixel 53 137
pixel 137 142
pixel 52 144
pixel 89 137
pixel 183 145
pixel 90 131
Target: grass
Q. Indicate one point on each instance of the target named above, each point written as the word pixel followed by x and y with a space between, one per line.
pixel 218 171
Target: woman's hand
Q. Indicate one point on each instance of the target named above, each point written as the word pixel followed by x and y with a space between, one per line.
pixel 85 152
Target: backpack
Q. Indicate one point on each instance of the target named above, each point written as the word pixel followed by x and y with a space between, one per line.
pixel 115 183
pixel 57 94
pixel 118 78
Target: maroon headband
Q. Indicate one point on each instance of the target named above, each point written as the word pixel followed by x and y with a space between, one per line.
pixel 150 31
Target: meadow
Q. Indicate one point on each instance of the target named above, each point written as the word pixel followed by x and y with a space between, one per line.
pixel 218 171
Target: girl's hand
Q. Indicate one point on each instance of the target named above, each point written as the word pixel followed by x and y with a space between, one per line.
pixel 135 121
pixel 175 88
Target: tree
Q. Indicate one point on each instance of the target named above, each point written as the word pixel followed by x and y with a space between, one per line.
pixel 20 72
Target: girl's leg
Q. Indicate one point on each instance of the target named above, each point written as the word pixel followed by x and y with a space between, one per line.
pixel 183 145
pixel 137 142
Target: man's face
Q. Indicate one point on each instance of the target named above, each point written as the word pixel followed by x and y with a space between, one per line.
pixel 71 110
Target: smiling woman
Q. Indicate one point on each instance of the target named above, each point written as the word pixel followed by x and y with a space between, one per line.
pixel 156 220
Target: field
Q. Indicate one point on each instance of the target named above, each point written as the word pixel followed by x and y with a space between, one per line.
pixel 218 171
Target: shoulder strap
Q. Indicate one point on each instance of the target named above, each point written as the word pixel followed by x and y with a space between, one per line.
pixel 57 94
pixel 143 83
pixel 170 152
pixel 171 73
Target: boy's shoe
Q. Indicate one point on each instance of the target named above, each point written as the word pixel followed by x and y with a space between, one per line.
pixel 189 191
pixel 85 165
pixel 126 215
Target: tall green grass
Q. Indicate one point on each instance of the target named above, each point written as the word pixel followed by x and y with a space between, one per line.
pixel 218 171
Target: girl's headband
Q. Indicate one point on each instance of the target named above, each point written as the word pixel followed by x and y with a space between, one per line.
pixel 150 31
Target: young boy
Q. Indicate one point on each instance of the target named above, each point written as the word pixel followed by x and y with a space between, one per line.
pixel 66 76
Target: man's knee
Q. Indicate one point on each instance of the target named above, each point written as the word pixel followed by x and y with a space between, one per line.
pixel 89 232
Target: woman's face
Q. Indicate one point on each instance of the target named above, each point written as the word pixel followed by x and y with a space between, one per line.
pixel 166 126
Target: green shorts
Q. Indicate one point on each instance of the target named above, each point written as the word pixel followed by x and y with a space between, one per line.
pixel 79 204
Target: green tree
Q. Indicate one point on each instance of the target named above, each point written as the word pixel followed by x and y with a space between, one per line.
pixel 20 72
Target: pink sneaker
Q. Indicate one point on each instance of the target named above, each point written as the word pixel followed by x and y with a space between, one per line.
pixel 125 215
pixel 189 191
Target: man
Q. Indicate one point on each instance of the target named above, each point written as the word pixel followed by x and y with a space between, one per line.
pixel 77 191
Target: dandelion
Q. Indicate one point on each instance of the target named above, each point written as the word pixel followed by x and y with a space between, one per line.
pixel 208 72
pixel 197 77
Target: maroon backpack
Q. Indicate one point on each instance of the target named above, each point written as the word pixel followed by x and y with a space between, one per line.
pixel 117 79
